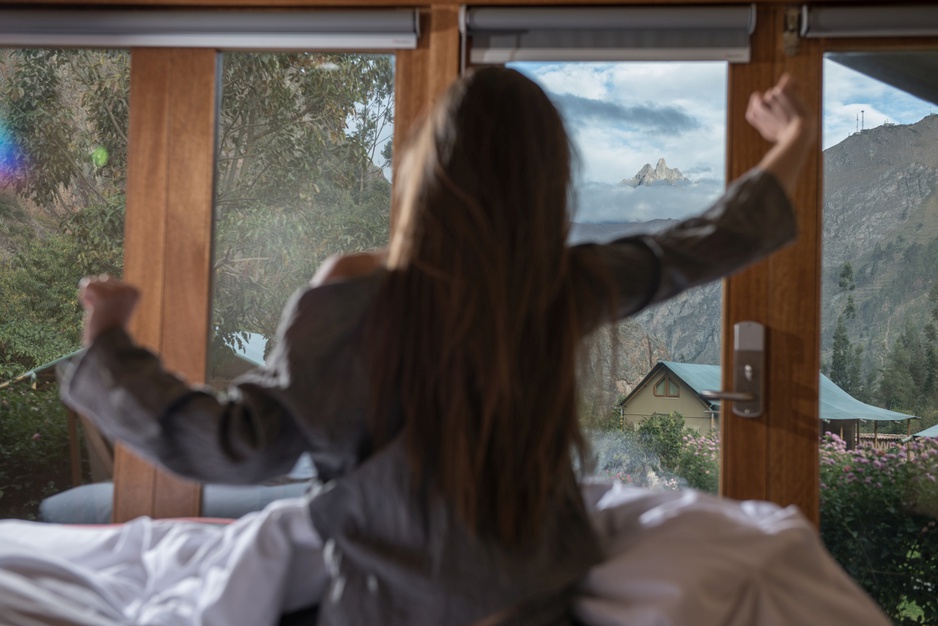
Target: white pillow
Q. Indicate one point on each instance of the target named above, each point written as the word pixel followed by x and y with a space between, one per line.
pixel 682 558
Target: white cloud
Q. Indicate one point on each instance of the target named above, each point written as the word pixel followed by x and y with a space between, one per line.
pixel 600 202
pixel 675 111
pixel 853 100
pixel 623 111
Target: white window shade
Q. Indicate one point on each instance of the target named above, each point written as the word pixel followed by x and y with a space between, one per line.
pixel 688 33
pixel 224 30
pixel 869 21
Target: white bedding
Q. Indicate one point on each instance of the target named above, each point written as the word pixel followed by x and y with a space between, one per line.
pixel 674 558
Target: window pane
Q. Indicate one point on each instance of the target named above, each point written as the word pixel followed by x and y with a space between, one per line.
pixel 651 144
pixel 303 173
pixel 879 501
pixel 63 153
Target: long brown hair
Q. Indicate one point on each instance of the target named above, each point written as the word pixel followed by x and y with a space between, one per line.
pixel 475 333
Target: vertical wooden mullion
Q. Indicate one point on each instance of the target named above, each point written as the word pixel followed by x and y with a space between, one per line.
pixel 168 243
pixel 144 234
pixel 775 457
pixel 423 74
pixel 794 425
pixel 745 296
pixel 188 247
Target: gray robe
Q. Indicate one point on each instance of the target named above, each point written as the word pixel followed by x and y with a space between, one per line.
pixel 395 557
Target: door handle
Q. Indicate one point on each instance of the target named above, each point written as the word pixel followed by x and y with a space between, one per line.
pixel 748 371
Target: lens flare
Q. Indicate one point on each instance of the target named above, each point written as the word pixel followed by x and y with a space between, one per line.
pixel 11 158
pixel 99 156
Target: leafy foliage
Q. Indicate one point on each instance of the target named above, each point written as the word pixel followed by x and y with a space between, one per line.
pixel 297 177
pixel 34 449
pixel 302 144
pixel 621 456
pixel 878 519
pixel 664 435
pixel 41 319
pixel 660 453
pixel 700 461
pixel 302 147
pixel 67 211
pixel 61 105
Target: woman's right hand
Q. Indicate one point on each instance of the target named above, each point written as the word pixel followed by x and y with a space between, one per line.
pixel 779 114
pixel 782 118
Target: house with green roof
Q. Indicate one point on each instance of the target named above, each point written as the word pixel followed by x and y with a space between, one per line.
pixel 678 387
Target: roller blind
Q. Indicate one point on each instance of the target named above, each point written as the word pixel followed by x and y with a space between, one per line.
pixel 241 30
pixel 869 21
pixel 504 34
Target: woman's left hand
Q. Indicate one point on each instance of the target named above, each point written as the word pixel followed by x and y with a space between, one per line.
pixel 108 303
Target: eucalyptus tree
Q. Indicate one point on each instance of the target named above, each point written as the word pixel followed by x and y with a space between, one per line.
pixel 302 152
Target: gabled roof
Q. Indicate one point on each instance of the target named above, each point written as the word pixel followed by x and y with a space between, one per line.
pixel 698 377
pixel 835 403
pixel 928 432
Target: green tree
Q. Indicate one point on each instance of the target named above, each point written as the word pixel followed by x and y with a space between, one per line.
pixel 845 280
pixel 66 110
pixel 902 379
pixel 841 355
pixel 302 145
pixel 299 177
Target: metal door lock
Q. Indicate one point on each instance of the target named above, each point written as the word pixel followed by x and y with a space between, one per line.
pixel 748 371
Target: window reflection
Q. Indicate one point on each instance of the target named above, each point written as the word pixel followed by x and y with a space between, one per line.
pixel 303 173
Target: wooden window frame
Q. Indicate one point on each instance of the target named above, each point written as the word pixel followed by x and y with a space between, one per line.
pixel 168 237
pixel 168 233
pixel 669 385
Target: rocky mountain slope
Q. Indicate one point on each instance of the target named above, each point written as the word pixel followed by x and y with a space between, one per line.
pixel 661 174
pixel 880 217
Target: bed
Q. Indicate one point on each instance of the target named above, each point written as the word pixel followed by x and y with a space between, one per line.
pixel 673 558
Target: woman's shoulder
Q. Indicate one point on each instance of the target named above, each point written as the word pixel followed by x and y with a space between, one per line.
pixel 326 312
pixel 344 267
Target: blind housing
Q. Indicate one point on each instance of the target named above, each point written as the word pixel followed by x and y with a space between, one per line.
pixel 686 33
pixel 224 30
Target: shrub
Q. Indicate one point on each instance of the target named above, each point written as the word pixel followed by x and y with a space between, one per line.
pixel 664 435
pixel 34 449
pixel 622 456
pixel 660 453
pixel 700 461
pixel 877 519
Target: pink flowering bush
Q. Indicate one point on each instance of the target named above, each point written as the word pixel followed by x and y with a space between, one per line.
pixel 878 519
pixel 700 461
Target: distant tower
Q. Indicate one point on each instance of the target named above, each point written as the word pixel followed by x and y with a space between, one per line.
pixel 862 120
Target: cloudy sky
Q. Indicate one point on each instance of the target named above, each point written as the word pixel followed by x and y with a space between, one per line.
pixel 624 115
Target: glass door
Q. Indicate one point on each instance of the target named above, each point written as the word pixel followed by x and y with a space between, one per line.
pixel 650 143
pixel 879 314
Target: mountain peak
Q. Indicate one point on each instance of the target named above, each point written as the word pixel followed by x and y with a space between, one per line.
pixel 661 174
